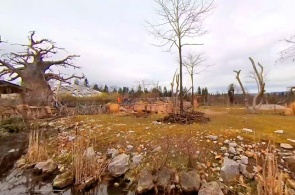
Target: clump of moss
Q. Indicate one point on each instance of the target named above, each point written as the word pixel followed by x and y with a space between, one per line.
pixel 13 124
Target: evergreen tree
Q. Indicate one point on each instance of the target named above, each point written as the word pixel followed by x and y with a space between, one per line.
pixel 95 87
pixel 120 91
pixel 106 89
pixel 199 90
pixel 165 92
pixel 86 83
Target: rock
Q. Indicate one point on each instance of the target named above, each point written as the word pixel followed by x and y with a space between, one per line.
pixel 279 131
pixel 111 153
pixel 20 162
pixel 232 150
pixel 290 163
pixel 247 130
pixel 189 181
pixel 232 144
pixel 245 173
pixel 226 154
pixel 286 146
pixel 230 170
pixel 164 178
pixel 223 148
pixel 89 182
pixel 218 157
pixel 226 141
pixel 244 160
pixel 240 138
pixel 145 181
pixel 46 167
pixel 212 137
pixel 129 147
pixel 89 152
pixel 137 159
pixel 211 188
pixel 63 180
pixel 119 165
pixel 157 149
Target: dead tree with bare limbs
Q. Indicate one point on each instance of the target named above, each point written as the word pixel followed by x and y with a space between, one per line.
pixel 194 64
pixel 178 22
pixel 259 78
pixel 289 52
pixel 34 67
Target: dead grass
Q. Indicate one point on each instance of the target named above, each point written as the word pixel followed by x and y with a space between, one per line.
pixel 270 181
pixel 37 150
pixel 86 165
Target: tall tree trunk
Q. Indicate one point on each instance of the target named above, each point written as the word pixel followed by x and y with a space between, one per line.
pixel 180 78
pixel 39 92
pixel 193 96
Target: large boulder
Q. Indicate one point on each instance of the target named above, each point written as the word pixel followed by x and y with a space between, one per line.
pixel 189 181
pixel 45 167
pixel 63 180
pixel 164 178
pixel 145 181
pixel 119 165
pixel 288 112
pixel 230 170
pixel 211 188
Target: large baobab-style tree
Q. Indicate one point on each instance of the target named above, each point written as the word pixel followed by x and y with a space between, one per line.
pixel 178 22
pixel 258 76
pixel 194 65
pixel 34 67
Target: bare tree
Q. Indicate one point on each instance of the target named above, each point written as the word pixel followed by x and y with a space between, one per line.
pixel 34 67
pixel 178 23
pixel 194 65
pixel 259 77
pixel 289 51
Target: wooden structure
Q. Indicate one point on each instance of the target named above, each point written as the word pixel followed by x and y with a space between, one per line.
pixel 9 88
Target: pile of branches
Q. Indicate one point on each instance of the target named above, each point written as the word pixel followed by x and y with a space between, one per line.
pixel 186 118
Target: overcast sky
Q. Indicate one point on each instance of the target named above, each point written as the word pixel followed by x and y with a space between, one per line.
pixel 116 49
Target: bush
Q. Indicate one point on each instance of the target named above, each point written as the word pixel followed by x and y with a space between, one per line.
pixel 13 124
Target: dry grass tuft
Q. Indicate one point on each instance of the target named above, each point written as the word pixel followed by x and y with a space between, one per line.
pixel 36 151
pixel 270 181
pixel 86 167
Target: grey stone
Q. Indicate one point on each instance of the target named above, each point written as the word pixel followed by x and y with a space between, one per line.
pixel 129 147
pixel 286 146
pixel 232 144
pixel 164 178
pixel 189 181
pixel 240 138
pixel 226 141
pixel 111 153
pixel 145 181
pixel 244 160
pixel 211 188
pixel 230 170
pixel 46 167
pixel 232 150
pixel 247 130
pixel 119 165
pixel 137 159
pixel 245 173
pixel 63 180
pixel 279 131
pixel 212 137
